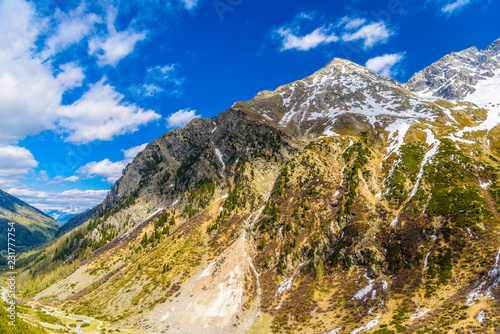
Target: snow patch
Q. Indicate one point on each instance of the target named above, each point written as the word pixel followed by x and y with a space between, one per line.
pixel 426 258
pixel 480 317
pixel 397 133
pixel 285 286
pixel 368 326
pixel 430 140
pixel 361 294
pixel 420 314
pixel 219 155
pixel 493 280
pixel 486 185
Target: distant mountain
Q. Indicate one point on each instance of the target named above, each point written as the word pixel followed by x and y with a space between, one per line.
pixel 461 74
pixel 63 215
pixel 344 202
pixel 32 226
pixel 74 222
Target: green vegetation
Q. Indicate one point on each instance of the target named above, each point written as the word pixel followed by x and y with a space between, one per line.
pixel 20 326
pixel 406 167
pixel 200 197
pixel 361 154
pixel 48 318
pixel 454 194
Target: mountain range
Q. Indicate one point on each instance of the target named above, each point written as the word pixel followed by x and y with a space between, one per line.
pixel 32 226
pixel 344 202
pixel 63 215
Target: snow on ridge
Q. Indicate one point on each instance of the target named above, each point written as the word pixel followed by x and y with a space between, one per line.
pixel 486 96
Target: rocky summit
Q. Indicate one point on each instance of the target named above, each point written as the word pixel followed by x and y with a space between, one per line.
pixel 344 202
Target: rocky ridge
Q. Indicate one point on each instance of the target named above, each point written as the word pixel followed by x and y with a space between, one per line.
pixel 340 203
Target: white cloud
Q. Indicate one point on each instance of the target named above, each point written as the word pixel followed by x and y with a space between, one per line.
pixel 190 4
pixel 370 34
pixel 31 93
pixel 100 114
pixel 115 46
pixel 62 179
pixel 181 118
pixel 384 65
pixel 292 36
pixel 71 75
pixel 43 176
pixel 306 42
pixel 132 152
pixel 455 6
pixel 112 171
pixel 28 89
pixel 59 200
pixel 350 23
pixel 71 29
pixel 16 161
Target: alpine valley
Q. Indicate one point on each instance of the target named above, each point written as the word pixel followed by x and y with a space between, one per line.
pixel 344 202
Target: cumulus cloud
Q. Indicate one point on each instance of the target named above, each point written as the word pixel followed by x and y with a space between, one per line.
pixel 62 179
pixel 385 64
pixel 71 75
pixel 15 161
pixel 304 33
pixel 350 23
pixel 71 28
pixel 370 34
pixel 111 171
pixel 306 42
pixel 100 114
pixel 131 153
pixel 24 75
pixel 293 37
pixel 58 200
pixel 114 46
pixel 181 118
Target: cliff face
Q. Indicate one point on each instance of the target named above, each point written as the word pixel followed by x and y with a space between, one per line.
pixel 343 202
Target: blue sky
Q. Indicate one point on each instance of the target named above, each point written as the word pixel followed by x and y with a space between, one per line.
pixel 84 85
